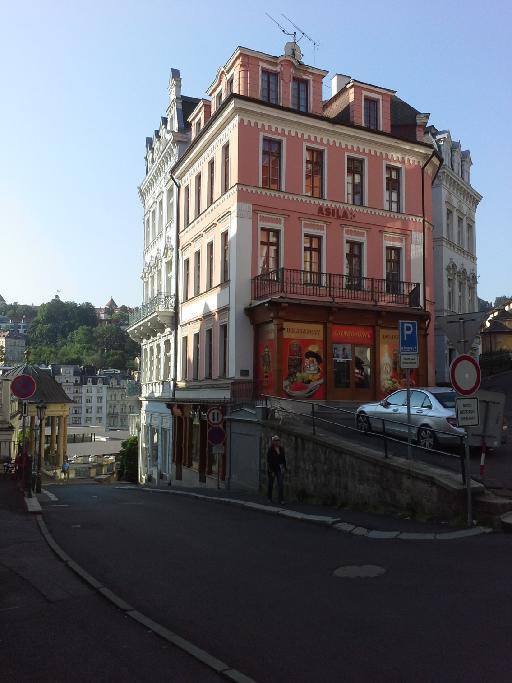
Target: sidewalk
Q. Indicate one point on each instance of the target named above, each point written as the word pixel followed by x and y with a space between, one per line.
pixel 54 627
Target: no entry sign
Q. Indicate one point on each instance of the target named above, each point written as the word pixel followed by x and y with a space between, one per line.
pixel 23 386
pixel 465 375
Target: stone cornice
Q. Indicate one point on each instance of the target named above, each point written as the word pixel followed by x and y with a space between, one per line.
pixel 456 249
pixel 454 183
pixel 162 166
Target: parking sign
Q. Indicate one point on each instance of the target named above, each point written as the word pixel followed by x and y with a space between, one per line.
pixel 408 336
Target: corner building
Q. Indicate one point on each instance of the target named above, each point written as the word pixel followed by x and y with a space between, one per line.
pixel 305 235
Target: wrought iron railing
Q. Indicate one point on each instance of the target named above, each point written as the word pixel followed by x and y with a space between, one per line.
pixel 335 287
pixel 160 302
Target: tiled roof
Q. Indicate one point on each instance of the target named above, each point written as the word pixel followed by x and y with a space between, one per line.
pixel 47 389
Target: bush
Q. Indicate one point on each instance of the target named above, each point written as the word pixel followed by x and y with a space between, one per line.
pixel 129 462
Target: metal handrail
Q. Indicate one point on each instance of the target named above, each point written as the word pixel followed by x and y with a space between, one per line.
pixel 160 302
pixel 334 286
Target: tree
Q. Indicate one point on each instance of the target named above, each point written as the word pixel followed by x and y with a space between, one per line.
pixel 129 464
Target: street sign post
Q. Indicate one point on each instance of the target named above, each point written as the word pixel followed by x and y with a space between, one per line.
pixel 467 411
pixel 465 375
pixel 215 416
pixel 408 334
pixel 23 386
pixel 216 435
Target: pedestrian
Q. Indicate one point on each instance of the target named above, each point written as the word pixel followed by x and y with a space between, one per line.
pixel 276 467
pixel 65 469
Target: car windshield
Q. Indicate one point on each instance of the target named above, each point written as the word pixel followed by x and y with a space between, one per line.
pixel 447 399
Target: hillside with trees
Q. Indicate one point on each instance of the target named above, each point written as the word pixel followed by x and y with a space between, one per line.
pixel 64 332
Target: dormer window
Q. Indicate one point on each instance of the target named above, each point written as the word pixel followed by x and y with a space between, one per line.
pixel 197 128
pixel 229 88
pixel 371 113
pixel 218 99
pixel 269 87
pixel 300 94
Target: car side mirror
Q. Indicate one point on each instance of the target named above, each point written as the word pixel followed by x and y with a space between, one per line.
pixel 384 403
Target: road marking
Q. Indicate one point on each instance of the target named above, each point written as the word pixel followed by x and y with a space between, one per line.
pixel 50 495
pixel 365 571
pixel 59 505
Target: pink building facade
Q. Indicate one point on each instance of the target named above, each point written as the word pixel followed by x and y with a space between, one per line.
pixel 305 235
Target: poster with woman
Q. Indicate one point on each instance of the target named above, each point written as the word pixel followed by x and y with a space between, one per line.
pixel 266 360
pixel 303 371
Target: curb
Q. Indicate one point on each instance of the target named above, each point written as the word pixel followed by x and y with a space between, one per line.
pixel 32 504
pixel 333 522
pixel 197 653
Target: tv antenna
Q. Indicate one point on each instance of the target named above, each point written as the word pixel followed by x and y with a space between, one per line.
pixel 303 34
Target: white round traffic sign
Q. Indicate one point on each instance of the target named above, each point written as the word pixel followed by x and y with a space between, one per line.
pixel 465 375
pixel 215 416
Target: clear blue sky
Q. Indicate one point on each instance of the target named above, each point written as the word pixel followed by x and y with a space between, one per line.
pixel 83 83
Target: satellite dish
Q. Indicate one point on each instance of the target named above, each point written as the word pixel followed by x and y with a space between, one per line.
pixel 291 49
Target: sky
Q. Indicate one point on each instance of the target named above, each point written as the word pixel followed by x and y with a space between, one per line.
pixel 84 83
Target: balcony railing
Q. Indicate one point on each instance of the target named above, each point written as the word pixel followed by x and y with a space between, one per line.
pixel 160 302
pixel 335 287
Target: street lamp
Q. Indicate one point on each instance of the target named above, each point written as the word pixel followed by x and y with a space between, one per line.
pixel 41 414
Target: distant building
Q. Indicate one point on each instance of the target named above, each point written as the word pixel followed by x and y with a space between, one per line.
pixel 6 325
pixel 454 204
pixel 12 347
pixel 497 330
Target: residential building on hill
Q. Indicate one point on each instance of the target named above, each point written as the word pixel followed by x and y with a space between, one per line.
pixel 454 202
pixel 305 236
pixel 153 323
pixel 12 347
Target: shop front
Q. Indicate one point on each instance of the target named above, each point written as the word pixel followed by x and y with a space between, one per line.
pixel 314 353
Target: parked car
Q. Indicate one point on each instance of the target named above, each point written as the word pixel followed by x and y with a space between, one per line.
pixel 433 417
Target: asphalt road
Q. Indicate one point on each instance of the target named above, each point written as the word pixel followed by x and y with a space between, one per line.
pixel 260 593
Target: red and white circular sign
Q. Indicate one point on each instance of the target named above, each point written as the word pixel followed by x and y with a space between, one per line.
pixel 215 416
pixel 465 375
pixel 23 386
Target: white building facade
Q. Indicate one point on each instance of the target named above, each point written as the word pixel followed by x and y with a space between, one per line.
pixel 455 203
pixel 153 324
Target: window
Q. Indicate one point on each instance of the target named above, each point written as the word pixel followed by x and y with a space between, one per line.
pixel 271 164
pixel 186 207
pixel 160 215
pixel 224 238
pixel 153 224
pixel 312 258
pixel 229 86
pixel 99 399
pixel 209 265
pixel 170 204
pixel 88 400
pixel 314 172
pixel 197 272
pixel 354 262
pixel 371 113
pixel 184 358
pixel 449 225
pixel 450 294
pixel 269 87
pixel 269 250
pixel 186 279
pixel 197 128
pixel 470 237
pixel 211 180
pixel 198 194
pixel 355 175
pixel 225 168
pixel 462 296
pixel 392 188
pixel 393 270
pixel 208 359
pixel 300 94
pixel 223 350
pixel 195 357
pixel 460 231
pixel 148 234
pixel 218 100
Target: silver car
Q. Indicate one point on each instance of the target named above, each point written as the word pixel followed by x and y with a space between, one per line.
pixel 432 416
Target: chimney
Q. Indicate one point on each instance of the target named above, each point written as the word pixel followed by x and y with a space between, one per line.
pixel 338 82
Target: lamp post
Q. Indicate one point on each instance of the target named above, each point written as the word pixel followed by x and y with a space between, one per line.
pixel 41 414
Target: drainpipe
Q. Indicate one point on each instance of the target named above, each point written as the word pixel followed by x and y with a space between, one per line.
pixel 434 153
pixel 176 283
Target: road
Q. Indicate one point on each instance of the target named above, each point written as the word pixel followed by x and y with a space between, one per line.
pixel 260 591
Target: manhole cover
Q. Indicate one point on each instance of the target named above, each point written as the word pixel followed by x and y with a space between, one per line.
pixel 364 571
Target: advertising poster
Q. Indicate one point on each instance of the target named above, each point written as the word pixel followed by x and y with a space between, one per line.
pixel 266 353
pixel 303 361
pixel 392 377
pixel 353 334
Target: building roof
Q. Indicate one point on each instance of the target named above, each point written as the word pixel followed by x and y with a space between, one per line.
pixel 47 389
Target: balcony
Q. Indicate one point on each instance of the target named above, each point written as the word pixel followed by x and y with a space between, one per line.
pixel 152 317
pixel 333 287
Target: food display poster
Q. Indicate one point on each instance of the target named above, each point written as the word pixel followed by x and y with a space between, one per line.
pixel 392 376
pixel 266 351
pixel 303 361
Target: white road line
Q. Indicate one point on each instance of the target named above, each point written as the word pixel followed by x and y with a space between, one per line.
pixel 50 495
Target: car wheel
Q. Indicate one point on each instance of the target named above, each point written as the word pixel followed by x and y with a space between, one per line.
pixel 363 423
pixel 426 438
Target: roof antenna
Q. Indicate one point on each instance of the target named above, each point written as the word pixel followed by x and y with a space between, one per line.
pixel 303 34
pixel 291 49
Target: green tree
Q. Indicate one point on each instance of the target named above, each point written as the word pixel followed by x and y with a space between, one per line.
pixel 129 463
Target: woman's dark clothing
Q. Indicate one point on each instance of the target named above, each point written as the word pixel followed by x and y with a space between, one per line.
pixel 276 466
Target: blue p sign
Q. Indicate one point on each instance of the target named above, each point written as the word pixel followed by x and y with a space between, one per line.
pixel 408 336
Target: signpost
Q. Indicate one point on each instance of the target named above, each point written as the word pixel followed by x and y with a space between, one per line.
pixel 24 387
pixel 408 330
pixel 465 379
pixel 215 416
